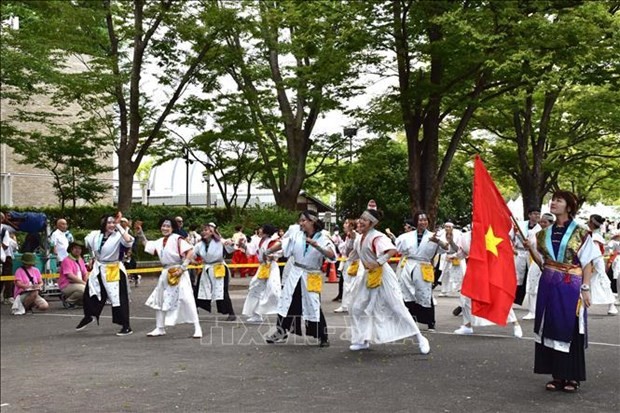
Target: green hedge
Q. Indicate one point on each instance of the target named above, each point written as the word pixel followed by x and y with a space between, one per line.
pixel 87 218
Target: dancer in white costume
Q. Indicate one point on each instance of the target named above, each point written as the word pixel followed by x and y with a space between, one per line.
pixel 215 277
pixel 600 284
pixel 378 313
pixel 172 298
pixel 534 272
pixel 300 299
pixel 452 265
pixel 108 278
pixel 419 248
pixel 522 255
pixel 349 280
pixel 264 289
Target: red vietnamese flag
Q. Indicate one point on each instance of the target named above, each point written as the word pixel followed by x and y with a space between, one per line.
pixel 490 280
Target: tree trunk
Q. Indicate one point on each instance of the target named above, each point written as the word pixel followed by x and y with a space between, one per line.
pixel 126 170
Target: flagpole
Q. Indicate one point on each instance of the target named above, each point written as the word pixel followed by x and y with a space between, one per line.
pixel 523 238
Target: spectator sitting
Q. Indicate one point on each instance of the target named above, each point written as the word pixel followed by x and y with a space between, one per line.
pixel 28 283
pixel 73 276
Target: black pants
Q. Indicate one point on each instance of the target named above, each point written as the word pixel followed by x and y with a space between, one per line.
pixel 293 320
pixel 7 269
pixel 422 314
pixel 93 307
pixel 224 306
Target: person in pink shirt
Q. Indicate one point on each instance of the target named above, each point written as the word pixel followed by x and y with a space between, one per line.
pixel 73 276
pixel 28 283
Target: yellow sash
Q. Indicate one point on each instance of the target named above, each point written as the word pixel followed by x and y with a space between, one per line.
pixel 219 271
pixel 403 262
pixel 263 272
pixel 315 282
pixel 174 275
pixel 352 270
pixel 112 272
pixel 428 273
pixel 456 261
pixel 374 277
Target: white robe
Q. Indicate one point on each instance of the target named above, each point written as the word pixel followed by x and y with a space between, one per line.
pixel 349 282
pixel 108 253
pixel 452 274
pixel 378 315
pixel 522 259
pixel 211 288
pixel 600 285
pixel 413 287
pixel 177 301
pixel 264 294
pixel 311 259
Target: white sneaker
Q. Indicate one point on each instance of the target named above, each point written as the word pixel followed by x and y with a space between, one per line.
pixel 197 333
pixel 443 294
pixel 256 319
pixel 529 316
pixel 517 331
pixel 359 346
pixel 157 332
pixel 612 309
pixel 424 345
pixel 464 330
pixel 341 309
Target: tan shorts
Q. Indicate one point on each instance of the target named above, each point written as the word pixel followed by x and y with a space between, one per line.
pixel 39 301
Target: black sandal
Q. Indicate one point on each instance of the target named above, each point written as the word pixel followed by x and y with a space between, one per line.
pixel 555 385
pixel 571 386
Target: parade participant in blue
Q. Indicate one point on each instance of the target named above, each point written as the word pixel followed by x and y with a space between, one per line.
pixel 566 253
pixel 264 289
pixel 108 278
pixel 172 298
pixel 215 276
pixel 378 312
pixel 301 294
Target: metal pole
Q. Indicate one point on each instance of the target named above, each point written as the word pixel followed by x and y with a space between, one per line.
pixel 186 177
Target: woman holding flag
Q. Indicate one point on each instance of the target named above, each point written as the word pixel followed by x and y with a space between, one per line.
pixel 566 253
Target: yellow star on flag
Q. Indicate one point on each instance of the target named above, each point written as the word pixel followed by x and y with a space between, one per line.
pixel 492 241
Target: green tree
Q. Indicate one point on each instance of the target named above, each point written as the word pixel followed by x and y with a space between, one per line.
pixel 291 62
pixel 72 155
pixel 380 173
pixel 137 59
pixel 558 120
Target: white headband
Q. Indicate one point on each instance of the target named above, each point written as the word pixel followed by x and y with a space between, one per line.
pixel 367 215
pixel 311 217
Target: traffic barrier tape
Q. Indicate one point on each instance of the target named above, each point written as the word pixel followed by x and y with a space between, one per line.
pixel 147 270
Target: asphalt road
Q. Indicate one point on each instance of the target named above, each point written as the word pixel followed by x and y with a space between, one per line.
pixel 46 366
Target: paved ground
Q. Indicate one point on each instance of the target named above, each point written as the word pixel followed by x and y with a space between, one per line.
pixel 48 367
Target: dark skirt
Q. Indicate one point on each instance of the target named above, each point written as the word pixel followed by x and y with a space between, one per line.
pixel 293 321
pixel 563 366
pixel 422 314
pixel 224 306
pixel 520 292
pixel 93 307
